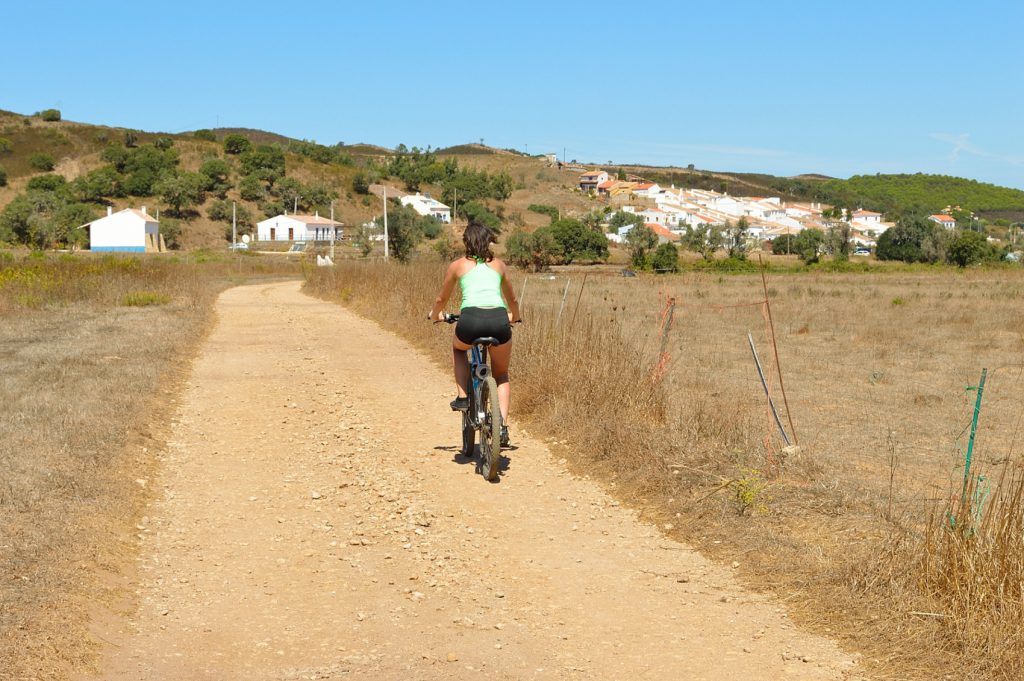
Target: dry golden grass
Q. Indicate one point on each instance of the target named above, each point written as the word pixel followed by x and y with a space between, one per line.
pixel 849 530
pixel 86 394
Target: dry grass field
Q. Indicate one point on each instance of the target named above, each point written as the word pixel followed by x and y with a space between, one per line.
pixel 868 530
pixel 91 349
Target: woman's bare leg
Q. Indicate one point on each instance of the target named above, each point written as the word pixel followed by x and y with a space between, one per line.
pixel 461 362
pixel 501 356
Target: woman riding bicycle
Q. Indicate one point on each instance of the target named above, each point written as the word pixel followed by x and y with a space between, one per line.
pixel 489 307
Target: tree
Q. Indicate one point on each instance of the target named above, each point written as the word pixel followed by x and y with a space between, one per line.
pixel 736 238
pixel 639 240
pixel 362 240
pixel 236 144
pixel 622 218
pixel 537 250
pixel 97 185
pixel 474 210
pixel 205 134
pixel 579 244
pixel 914 238
pixel 41 161
pixel 50 182
pixel 218 176
pixel 837 236
pixel 251 189
pixel 163 143
pixel 665 258
pixel 783 244
pixel 361 183
pixel 3 177
pixel 264 162
pixel 704 239
pixel 807 245
pixel 50 115
pixel 171 231
pixel 220 211
pixel 181 191
pixel 968 248
pixel 5 145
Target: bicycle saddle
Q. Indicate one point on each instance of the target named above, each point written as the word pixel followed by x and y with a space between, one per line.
pixel 486 340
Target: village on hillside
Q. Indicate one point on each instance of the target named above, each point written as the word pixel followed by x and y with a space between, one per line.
pixel 668 212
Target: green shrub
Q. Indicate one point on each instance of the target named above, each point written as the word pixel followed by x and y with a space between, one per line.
pixel 42 161
pixel 3 177
pixel 50 115
pixel 205 135
pixel 144 299
pixel 5 145
pixel 236 144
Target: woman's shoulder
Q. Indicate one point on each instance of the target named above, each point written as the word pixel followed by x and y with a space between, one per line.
pixel 498 265
pixel 460 266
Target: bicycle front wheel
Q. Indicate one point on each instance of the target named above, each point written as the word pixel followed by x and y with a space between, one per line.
pixel 490 429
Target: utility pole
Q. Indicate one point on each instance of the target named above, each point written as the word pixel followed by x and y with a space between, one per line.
pixel 334 230
pixel 455 208
pixel 386 250
pixel 234 226
pixel 295 210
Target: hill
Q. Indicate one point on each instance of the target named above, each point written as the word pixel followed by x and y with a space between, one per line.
pixel 901 193
pixel 316 177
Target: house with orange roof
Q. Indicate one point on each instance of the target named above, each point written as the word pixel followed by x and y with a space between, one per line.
pixel 648 190
pixel 590 180
pixel 867 218
pixel 947 221
pixel 663 233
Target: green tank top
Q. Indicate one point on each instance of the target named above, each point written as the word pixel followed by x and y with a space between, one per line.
pixel 481 287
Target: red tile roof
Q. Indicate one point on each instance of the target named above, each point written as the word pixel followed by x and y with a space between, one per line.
pixel 662 231
pixel 607 184
pixel 942 218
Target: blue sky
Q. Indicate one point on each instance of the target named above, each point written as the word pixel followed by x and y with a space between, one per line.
pixel 779 87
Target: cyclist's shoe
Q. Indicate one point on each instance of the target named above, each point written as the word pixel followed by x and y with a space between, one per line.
pixel 460 404
pixel 504 437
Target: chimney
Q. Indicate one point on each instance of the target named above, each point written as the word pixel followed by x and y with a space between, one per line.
pixel 110 211
pixel 317 214
pixel 144 210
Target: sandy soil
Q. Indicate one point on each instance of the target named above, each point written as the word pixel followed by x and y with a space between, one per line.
pixel 314 521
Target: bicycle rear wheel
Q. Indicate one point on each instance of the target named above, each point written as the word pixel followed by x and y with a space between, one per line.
pixel 490 429
pixel 468 434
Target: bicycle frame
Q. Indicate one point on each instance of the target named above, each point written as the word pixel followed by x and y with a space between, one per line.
pixel 478 371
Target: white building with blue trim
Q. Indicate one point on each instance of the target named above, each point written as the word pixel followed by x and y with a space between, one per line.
pixel 126 231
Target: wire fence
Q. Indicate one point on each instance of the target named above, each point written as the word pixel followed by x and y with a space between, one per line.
pixel 880 374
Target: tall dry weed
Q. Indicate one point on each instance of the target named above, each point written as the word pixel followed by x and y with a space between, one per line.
pixel 838 529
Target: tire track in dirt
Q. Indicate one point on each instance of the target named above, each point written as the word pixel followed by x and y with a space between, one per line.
pixel 314 522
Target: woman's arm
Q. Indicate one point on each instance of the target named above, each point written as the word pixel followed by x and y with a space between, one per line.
pixel 509 294
pixel 450 277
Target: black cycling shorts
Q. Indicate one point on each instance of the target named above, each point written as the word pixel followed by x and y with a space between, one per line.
pixel 479 322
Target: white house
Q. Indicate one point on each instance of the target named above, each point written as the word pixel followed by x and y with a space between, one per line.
pixel 424 205
pixel 866 218
pixel 297 228
pixel 649 190
pixel 664 218
pixel 126 231
pixel 946 221
pixel 590 180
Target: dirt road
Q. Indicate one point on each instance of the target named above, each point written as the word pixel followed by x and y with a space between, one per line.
pixel 313 521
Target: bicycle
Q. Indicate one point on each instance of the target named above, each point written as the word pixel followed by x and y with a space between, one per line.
pixel 483 413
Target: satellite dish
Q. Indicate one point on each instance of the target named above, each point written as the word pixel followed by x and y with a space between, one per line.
pixel 245 239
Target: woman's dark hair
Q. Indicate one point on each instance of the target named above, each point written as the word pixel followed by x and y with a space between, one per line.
pixel 478 239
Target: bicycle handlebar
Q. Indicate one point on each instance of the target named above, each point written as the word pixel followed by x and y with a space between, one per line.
pixel 452 318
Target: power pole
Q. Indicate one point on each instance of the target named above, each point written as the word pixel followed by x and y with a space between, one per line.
pixel 455 207
pixel 334 230
pixel 234 226
pixel 295 210
pixel 386 250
